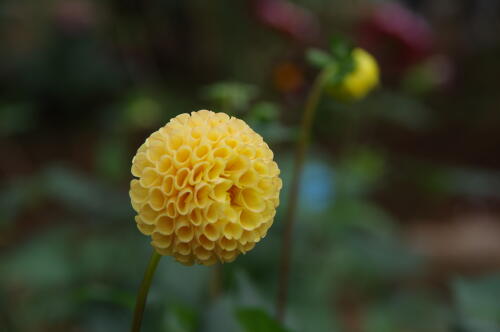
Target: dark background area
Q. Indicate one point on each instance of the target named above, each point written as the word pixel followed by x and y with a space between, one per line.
pixel 399 221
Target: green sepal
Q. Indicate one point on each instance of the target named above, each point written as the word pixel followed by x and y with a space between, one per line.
pixel 318 58
pixel 340 47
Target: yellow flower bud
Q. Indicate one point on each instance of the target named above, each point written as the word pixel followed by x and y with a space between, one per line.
pixel 358 83
pixel 207 188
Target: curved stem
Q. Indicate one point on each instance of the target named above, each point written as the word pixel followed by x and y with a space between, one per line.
pixel 305 132
pixel 143 291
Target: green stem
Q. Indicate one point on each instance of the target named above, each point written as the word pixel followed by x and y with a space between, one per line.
pixel 305 132
pixel 143 291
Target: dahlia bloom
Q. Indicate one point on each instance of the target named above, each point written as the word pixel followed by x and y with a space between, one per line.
pixel 207 188
pixel 359 82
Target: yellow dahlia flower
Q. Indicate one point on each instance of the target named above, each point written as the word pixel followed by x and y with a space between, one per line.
pixel 358 83
pixel 207 188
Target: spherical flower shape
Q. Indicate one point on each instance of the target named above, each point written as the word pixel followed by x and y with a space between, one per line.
pixel 358 83
pixel 207 188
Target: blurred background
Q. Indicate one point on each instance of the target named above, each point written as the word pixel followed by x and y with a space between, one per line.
pixel 399 223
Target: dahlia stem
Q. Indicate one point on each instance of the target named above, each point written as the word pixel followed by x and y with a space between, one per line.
pixel 304 137
pixel 143 291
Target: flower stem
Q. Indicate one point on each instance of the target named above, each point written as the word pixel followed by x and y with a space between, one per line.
pixel 143 291
pixel 305 132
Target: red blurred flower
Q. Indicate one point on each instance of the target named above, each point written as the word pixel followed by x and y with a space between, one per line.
pixel 396 36
pixel 286 17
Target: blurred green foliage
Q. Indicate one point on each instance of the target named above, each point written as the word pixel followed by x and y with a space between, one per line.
pixel 255 319
pixel 83 83
pixel 476 303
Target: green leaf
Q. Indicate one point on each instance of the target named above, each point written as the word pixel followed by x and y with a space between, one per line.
pixel 143 112
pixel 257 320
pixel 477 303
pixel 345 66
pixel 81 193
pixel 263 112
pixel 182 318
pixel 318 58
pixel 340 47
pixel 40 263
pixel 230 97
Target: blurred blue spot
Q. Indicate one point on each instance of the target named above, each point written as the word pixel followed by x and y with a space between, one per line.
pixel 317 186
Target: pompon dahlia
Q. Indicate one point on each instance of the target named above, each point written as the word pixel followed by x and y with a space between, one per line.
pixel 207 188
